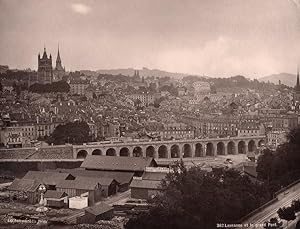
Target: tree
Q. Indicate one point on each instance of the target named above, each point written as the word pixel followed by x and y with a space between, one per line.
pixel 296 205
pixel 60 86
pixel 1 87
pixel 279 168
pixel 287 214
pixel 197 199
pixel 72 132
pixel 264 164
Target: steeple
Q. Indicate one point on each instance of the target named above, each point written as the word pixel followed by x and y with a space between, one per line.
pixel 297 85
pixel 58 60
pixel 45 53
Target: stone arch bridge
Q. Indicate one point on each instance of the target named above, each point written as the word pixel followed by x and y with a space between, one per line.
pixel 172 149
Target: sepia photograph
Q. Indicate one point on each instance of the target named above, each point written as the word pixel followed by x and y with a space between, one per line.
pixel 150 114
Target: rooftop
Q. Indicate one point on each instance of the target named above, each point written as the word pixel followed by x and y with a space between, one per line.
pixel 117 163
pixel 99 209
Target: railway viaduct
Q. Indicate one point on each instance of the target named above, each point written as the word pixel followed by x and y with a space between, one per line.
pixel 174 148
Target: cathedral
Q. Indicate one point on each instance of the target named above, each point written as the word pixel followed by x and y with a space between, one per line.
pixel 46 74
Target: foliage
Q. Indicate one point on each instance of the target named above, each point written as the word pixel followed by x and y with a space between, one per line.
pixel 286 213
pixel 60 86
pixel 281 167
pixel 197 199
pixel 296 205
pixel 1 87
pixel 72 132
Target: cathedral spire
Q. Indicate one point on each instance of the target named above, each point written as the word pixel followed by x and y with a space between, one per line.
pixel 58 60
pixel 45 53
pixel 297 77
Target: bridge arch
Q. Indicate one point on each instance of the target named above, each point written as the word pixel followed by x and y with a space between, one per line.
pixel 97 152
pixel 150 151
pixel 220 148
pixel 124 152
pixel 210 149
pixel 162 152
pixel 231 148
pixel 111 152
pixel 175 151
pixel 82 154
pixel 137 151
pixel 198 150
pixel 241 147
pixel 251 146
pixel 187 150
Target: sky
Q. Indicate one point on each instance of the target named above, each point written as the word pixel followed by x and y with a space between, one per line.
pixel 218 38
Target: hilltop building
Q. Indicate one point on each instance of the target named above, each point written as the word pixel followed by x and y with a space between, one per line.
pixel 45 71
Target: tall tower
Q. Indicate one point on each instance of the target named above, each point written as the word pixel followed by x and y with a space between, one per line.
pixel 44 74
pixel 297 90
pixel 59 70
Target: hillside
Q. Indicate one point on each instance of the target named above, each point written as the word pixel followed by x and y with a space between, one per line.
pixel 285 78
pixel 143 72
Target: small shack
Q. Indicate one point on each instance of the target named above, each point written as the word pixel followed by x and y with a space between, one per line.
pixel 82 185
pixel 98 212
pixel 56 199
pixel 25 189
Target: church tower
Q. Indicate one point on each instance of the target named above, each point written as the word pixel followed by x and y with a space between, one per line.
pixel 297 90
pixel 59 70
pixel 44 73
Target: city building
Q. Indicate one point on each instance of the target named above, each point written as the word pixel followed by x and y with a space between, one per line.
pixel 201 87
pixel 145 99
pixel 12 137
pixel 276 138
pixel 78 87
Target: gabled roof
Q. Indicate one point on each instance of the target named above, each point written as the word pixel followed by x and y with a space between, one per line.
pixel 147 184
pixel 83 183
pixel 155 176
pixel 105 181
pixel 117 163
pixel 54 194
pixel 25 185
pixel 99 209
pixel 120 177
pixel 47 178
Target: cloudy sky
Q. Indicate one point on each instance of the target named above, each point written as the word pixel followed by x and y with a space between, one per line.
pixel 211 37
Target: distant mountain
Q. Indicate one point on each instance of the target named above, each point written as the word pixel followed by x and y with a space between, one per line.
pixel 143 72
pixel 285 78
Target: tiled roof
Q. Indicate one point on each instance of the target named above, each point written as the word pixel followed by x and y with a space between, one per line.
pixel 24 185
pixel 83 183
pixel 99 209
pixel 120 177
pixel 147 184
pixel 116 163
pixel 47 178
pixel 54 194
pixel 155 176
